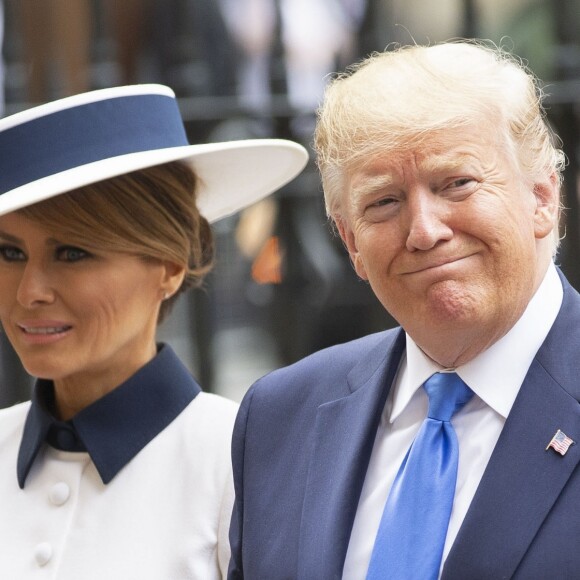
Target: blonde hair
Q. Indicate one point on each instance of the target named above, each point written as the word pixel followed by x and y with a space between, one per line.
pixel 149 213
pixel 394 98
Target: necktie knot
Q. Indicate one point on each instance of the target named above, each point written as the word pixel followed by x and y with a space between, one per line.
pixel 447 394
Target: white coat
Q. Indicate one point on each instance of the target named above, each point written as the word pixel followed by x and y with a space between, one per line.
pixel 164 516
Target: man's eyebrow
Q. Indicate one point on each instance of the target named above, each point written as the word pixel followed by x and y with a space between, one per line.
pixel 448 162
pixel 371 184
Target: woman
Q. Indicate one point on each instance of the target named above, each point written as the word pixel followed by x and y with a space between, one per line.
pixel 119 466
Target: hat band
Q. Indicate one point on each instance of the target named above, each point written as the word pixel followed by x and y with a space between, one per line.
pixel 87 133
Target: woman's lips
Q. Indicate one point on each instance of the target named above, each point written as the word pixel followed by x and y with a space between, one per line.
pixel 43 332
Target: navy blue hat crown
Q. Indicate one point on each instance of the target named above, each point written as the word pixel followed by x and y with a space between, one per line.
pixel 64 145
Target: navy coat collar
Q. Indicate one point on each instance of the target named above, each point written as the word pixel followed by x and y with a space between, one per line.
pixel 116 427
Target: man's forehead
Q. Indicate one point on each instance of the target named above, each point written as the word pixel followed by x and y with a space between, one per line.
pixel 469 148
pixel 427 157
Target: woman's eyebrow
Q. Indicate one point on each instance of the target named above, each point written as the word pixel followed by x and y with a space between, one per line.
pixel 16 240
pixel 10 238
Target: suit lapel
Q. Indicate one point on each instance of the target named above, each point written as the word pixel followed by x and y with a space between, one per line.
pixel 344 438
pixel 523 480
pixel 521 483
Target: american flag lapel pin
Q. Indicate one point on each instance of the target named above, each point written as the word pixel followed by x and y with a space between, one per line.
pixel 560 442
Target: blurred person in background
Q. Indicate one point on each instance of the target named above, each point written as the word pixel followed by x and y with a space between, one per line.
pixel 120 465
pixel 314 35
pixel 448 447
pixel 129 22
pixel 56 36
pixel 159 38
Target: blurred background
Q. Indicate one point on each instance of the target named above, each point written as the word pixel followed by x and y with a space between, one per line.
pixel 282 286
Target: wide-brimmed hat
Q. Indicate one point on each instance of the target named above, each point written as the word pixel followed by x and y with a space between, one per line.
pixel 73 142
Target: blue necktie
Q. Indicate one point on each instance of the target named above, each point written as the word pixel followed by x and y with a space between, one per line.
pixel 409 543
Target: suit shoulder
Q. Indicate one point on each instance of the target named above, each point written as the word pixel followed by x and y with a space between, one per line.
pixel 345 354
pixel 321 367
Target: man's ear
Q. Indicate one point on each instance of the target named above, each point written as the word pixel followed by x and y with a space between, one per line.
pixel 547 195
pixel 349 241
pixel 172 278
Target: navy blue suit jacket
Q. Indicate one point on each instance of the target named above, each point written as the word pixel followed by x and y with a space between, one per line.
pixel 303 440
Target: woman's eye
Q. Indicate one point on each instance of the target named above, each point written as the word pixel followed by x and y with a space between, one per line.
pixel 70 254
pixel 12 254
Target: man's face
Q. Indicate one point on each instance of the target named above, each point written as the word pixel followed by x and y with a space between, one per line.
pixel 452 241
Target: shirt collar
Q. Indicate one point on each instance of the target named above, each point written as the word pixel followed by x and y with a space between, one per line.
pixel 496 374
pixel 117 426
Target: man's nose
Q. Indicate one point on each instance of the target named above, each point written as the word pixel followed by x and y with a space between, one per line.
pixel 35 286
pixel 427 221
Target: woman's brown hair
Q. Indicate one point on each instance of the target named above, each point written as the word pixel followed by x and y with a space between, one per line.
pixel 150 213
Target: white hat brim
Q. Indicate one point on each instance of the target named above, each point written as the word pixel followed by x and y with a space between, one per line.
pixel 232 175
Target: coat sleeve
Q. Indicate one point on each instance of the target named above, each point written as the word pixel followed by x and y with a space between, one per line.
pixel 236 571
pixel 223 548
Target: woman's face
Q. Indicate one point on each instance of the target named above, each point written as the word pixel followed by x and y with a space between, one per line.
pixel 78 315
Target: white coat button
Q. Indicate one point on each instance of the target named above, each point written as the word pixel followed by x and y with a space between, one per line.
pixel 43 553
pixel 59 493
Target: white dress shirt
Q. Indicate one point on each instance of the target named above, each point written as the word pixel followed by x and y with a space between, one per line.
pixel 495 376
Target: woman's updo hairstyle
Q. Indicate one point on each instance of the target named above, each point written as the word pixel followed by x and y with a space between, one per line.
pixel 150 213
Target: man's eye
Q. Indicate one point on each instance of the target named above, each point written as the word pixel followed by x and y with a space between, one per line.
pixel 385 201
pixel 382 209
pixel 461 182
pixel 71 254
pixel 12 254
pixel 460 188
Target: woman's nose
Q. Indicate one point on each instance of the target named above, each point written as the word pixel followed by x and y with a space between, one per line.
pixel 35 287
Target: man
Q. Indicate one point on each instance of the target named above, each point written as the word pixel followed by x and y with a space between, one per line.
pixel 442 178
